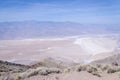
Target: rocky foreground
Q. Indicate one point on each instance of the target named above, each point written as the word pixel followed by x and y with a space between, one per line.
pixel 53 71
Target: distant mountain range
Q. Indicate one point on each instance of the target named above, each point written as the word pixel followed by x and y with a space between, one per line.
pixel 37 29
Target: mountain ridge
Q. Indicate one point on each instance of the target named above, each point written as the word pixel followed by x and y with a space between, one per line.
pixel 38 29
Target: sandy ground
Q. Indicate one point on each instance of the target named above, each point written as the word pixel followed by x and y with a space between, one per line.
pixel 74 49
pixel 76 76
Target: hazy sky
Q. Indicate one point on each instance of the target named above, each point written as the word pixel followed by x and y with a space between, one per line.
pixel 83 11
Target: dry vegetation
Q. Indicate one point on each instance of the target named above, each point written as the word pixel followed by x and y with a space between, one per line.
pixel 89 68
pixel 32 72
pixel 98 69
pixel 95 70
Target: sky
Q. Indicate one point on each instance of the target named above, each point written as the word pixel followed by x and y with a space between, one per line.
pixel 82 11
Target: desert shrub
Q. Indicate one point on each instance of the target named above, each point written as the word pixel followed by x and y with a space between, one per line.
pixel 118 69
pixel 28 73
pixel 98 65
pixel 96 73
pixel 111 70
pixel 81 68
pixel 43 72
pixel 91 69
pixel 33 72
pixel 49 71
pixel 88 68
pixel 54 70
pixel 71 69
pixel 67 70
pixel 17 76
pixel 105 67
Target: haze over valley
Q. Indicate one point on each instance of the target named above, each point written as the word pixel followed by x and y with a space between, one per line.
pixel 38 29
